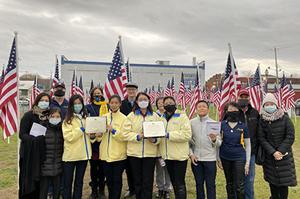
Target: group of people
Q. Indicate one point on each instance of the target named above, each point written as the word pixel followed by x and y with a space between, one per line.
pixel 55 163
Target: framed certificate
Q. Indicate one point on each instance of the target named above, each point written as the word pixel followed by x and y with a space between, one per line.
pixel 95 125
pixel 154 129
pixel 213 127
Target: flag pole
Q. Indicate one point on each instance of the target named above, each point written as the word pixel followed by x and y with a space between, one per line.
pixel 233 69
pixel 18 105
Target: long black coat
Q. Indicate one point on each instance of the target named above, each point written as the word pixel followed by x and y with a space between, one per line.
pixel 278 135
pixel 54 147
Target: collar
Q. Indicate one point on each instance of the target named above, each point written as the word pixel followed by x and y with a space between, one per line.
pixel 138 112
pixel 65 102
pixel 176 114
pixel 203 118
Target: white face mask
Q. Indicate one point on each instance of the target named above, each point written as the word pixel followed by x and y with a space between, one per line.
pixel 143 104
pixel 54 121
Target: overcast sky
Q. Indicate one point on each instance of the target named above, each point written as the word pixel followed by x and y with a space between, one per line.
pixel 153 30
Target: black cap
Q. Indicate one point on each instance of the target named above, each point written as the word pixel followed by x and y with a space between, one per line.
pixel 131 84
pixel 60 84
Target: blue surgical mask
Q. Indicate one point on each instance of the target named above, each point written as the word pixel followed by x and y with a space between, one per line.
pixel 54 121
pixel 43 105
pixel 77 108
pixel 270 108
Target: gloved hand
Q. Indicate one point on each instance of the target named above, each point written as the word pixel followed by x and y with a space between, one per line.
pixel 82 129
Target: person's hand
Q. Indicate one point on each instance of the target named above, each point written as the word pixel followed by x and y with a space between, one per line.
pixel 194 159
pixel 152 140
pixel 278 155
pixel 247 169
pixel 99 134
pixel 219 163
pixel 213 137
pixel 109 128
pixel 141 135
pixel 92 135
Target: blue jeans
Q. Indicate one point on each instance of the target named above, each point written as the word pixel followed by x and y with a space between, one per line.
pixel 249 180
pixel 205 171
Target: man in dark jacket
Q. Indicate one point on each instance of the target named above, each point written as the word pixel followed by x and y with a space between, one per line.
pixel 59 99
pixel 251 119
pixel 126 108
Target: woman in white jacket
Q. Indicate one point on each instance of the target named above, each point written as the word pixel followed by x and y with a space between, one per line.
pixel 203 152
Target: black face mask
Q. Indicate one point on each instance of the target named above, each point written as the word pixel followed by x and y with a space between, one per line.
pixel 233 116
pixel 170 108
pixel 59 93
pixel 243 103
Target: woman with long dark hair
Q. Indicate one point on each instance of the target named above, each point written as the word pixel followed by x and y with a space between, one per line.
pixel 141 152
pixel 77 147
pixel 97 107
pixel 32 148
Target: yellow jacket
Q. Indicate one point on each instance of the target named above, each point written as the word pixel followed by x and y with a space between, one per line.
pixel 113 146
pixel 132 127
pixel 176 144
pixel 77 145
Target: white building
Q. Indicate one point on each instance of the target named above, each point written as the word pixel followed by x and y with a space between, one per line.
pixel 145 75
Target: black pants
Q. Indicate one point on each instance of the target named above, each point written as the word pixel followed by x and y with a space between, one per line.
pixel 45 182
pixel 129 177
pixel 279 192
pixel 69 168
pixel 97 175
pixel 143 175
pixel 205 171
pixel 113 173
pixel 177 171
pixel 235 178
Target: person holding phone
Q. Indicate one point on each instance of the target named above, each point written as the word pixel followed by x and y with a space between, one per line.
pixel 203 152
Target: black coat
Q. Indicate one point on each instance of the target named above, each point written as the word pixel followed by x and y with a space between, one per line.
pixel 126 107
pixel 31 155
pixel 278 136
pixel 251 119
pixel 54 147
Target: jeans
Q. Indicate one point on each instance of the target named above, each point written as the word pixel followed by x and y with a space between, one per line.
pixel 235 178
pixel 205 171
pixel 249 181
pixel 163 181
pixel 177 171
pixel 279 192
pixel 69 168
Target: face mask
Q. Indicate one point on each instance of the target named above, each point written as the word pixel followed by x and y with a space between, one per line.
pixel 233 116
pixel 43 105
pixel 77 108
pixel 143 104
pixel 243 103
pixel 270 109
pixel 54 121
pixel 170 108
pixel 59 93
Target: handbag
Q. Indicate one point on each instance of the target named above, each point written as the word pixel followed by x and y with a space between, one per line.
pixel 260 155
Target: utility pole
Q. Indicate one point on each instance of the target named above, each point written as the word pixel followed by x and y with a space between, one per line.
pixel 276 65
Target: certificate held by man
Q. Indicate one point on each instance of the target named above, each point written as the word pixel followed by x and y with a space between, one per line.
pixel 95 125
pixel 213 127
pixel 154 129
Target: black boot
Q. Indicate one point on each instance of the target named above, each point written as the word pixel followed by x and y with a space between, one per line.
pixel 160 194
pixel 94 194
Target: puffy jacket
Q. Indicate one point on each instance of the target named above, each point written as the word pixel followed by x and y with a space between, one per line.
pixel 278 135
pixel 54 147
pixel 176 144
pixel 77 145
pixel 132 127
pixel 113 147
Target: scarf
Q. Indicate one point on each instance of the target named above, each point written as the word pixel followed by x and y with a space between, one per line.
pixel 43 114
pixel 103 107
pixel 270 117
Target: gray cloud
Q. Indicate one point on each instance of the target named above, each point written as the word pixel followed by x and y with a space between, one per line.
pixel 169 30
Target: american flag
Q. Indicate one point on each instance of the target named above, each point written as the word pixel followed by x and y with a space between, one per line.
pixel 284 92
pixel 8 97
pixel 152 95
pixel 73 89
pixel 216 99
pixel 129 76
pixel 168 90
pixel 92 85
pixel 159 92
pixel 55 78
pixel 230 85
pixel 290 102
pixel 188 95
pixel 80 88
pixel 114 83
pixel 196 96
pixel 172 88
pixel 181 93
pixel 35 91
pixel 277 94
pixel 255 91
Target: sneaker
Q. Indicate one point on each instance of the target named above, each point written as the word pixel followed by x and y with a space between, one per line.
pixel 128 194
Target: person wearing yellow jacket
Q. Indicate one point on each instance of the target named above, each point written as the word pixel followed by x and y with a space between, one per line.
pixel 174 147
pixel 113 148
pixel 142 152
pixel 77 147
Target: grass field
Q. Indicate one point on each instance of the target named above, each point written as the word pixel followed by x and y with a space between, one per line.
pixel 8 173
